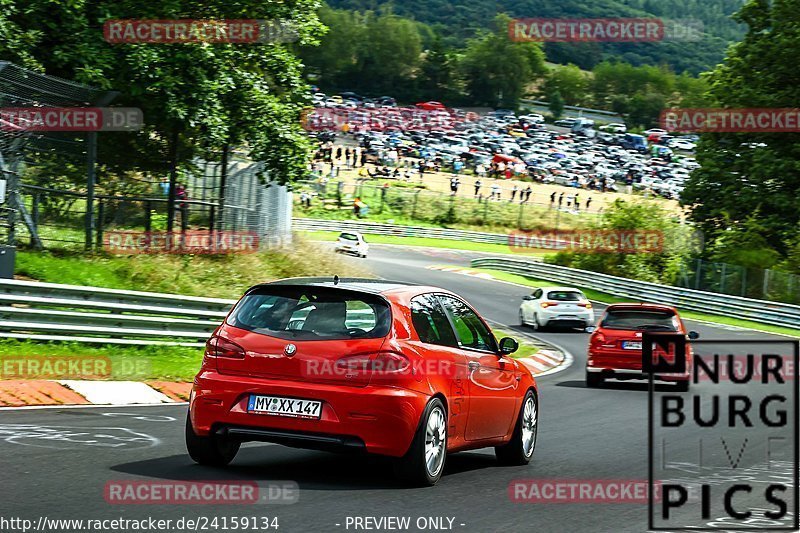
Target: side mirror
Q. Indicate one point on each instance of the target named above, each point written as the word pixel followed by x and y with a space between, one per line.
pixel 589 329
pixel 508 345
pixel 693 335
pixel 527 298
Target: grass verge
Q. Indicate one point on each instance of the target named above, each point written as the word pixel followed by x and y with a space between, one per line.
pixel 610 298
pixel 428 242
pixel 526 349
pixel 50 360
pixel 215 276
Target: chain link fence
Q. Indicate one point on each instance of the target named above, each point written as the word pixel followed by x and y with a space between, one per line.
pixel 251 205
pixel 49 178
pixel 409 204
pixel 725 278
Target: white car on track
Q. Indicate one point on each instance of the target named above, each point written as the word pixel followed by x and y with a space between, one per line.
pixel 352 242
pixel 564 307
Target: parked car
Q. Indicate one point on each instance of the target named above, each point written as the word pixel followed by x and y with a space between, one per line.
pixel 566 122
pixel 361 365
pixel 352 242
pixel 614 127
pixel 550 307
pixel 632 141
pixel 615 347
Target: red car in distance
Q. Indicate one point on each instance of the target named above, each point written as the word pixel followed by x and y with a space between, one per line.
pixel 615 347
pixel 431 106
pixel 373 366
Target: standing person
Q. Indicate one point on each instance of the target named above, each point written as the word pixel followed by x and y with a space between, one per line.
pixel 570 199
pixel 588 203
pixel 339 153
pixel 453 185
pixel 560 200
pixel 458 164
pixel 477 187
pixel 552 199
pixel 528 192
pixel 509 171
pixel 496 191
pixel 577 202
pixel 514 193
pixel 501 169
pixel 348 155
pixel 363 157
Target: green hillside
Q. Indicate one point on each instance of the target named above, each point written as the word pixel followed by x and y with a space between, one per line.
pixel 458 20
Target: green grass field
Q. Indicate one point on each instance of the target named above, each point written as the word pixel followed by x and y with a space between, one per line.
pixel 427 242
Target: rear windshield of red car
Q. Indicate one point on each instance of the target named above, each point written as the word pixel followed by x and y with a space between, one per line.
pixel 312 313
pixel 640 319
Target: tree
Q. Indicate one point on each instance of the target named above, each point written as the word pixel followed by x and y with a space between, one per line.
pixel 555 104
pixel 570 82
pixel 436 73
pixel 753 174
pixel 195 97
pixel 498 70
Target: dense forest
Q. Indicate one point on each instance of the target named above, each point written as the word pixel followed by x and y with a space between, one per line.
pixel 458 20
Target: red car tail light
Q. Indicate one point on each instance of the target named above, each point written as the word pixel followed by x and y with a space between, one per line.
pixel 587 305
pixel 220 347
pixel 548 304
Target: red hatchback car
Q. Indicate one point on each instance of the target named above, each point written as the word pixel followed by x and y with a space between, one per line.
pixel 374 366
pixel 615 347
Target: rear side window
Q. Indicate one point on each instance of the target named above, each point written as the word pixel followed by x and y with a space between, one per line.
pixel 471 331
pixel 565 296
pixel 430 321
pixel 312 313
pixel 634 319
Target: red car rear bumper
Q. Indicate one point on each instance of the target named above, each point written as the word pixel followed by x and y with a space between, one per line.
pixel 375 419
pixel 622 364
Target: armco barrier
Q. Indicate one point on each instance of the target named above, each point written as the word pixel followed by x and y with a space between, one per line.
pixel 375 228
pixel 763 311
pixel 55 312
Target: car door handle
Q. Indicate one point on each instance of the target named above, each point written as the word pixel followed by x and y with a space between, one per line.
pixel 473 365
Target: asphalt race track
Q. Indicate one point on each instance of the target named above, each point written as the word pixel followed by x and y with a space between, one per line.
pixel 56 462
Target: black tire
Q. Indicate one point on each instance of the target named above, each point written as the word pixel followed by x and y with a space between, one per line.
pixel 521 319
pixel 519 450
pixel 535 324
pixel 413 467
pixel 593 379
pixel 211 450
pixel 682 386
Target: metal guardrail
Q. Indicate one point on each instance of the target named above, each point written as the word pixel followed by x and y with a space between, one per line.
pixel 375 228
pixel 762 311
pixel 54 312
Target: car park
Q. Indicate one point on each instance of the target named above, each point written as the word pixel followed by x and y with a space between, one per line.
pixel 361 366
pixel 615 346
pixel 556 307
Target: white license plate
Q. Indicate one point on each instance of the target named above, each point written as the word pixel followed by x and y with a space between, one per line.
pixel 631 345
pixel 280 406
